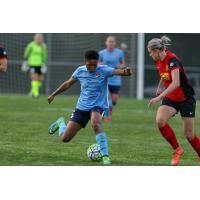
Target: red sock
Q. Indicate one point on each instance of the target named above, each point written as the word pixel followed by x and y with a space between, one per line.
pixel 169 135
pixel 195 143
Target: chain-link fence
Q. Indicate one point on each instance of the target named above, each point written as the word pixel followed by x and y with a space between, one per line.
pixel 66 53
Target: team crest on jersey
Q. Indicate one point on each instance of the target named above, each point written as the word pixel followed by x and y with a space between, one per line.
pixel 97 75
pixel 165 76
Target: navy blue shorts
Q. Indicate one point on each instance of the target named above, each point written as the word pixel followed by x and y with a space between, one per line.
pixel 114 89
pixel 82 117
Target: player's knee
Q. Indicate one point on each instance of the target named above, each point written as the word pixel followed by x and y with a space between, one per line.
pixel 160 121
pixel 65 140
pixel 96 127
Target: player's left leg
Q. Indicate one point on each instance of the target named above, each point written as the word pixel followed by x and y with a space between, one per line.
pixel 101 138
pixel 193 139
pixel 187 110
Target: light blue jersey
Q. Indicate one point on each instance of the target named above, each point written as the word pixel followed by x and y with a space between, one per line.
pixel 112 59
pixel 94 87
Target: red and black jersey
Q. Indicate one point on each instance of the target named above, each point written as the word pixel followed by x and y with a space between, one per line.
pixel 165 67
pixel 3 53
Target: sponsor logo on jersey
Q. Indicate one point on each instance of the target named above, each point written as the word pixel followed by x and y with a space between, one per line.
pixel 97 75
pixel 165 76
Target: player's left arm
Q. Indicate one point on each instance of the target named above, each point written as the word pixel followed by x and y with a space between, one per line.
pixel 122 72
pixel 45 53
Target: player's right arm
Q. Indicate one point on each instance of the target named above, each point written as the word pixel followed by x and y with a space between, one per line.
pixel 63 87
pixel 159 88
pixel 27 51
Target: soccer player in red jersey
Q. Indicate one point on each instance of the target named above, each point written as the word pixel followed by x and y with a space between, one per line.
pixel 178 96
pixel 3 60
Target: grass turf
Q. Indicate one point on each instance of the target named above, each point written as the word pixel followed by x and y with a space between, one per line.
pixel 132 134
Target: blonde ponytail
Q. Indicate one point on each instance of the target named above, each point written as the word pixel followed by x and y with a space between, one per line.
pixel 159 43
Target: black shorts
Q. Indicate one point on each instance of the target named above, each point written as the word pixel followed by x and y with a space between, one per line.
pixel 35 70
pixel 114 89
pixel 186 108
pixel 82 117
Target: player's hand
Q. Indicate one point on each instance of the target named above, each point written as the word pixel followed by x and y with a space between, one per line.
pixel 158 92
pixel 50 99
pixel 44 69
pixel 127 71
pixel 153 101
pixel 24 67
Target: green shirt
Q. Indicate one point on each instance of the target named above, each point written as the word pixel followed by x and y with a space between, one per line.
pixel 35 54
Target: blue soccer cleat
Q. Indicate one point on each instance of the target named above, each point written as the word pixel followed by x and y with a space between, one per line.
pixel 55 126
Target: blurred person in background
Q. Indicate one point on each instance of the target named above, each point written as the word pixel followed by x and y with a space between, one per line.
pixel 112 57
pixel 35 56
pixel 3 59
pixel 124 48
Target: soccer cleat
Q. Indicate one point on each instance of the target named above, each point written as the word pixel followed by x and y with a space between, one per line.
pixel 55 126
pixel 176 156
pixel 106 160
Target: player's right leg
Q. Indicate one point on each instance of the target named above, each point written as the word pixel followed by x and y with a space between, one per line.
pixel 66 132
pixel 164 113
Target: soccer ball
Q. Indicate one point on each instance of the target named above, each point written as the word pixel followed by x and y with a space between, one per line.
pixel 94 152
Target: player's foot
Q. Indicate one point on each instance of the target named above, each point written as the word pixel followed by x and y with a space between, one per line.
pixel 106 160
pixel 107 119
pixel 176 156
pixel 55 126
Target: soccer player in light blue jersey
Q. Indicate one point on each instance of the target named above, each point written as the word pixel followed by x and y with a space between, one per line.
pixel 92 102
pixel 114 58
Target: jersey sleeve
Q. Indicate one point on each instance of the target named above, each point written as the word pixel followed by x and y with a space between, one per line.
pixel 3 53
pixel 174 63
pixel 75 74
pixel 108 71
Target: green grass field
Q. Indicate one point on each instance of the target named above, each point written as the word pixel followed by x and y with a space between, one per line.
pixel 133 137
